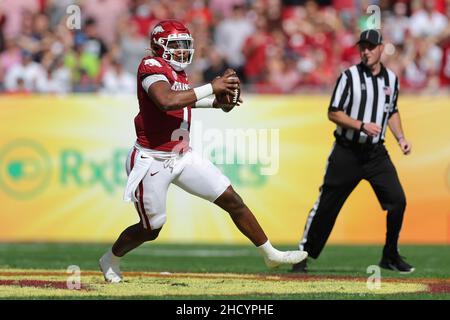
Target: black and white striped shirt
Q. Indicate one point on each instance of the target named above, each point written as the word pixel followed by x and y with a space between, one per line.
pixel 367 98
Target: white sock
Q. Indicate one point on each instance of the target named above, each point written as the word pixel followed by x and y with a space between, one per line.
pixel 267 250
pixel 112 257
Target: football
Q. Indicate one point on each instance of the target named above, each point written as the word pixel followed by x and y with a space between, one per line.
pixel 228 101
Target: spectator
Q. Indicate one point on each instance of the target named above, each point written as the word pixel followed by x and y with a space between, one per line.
pixel 89 38
pixel 141 18
pixel 230 36
pixel 27 39
pixel 2 36
pixel 420 65
pixel 444 73
pixel 57 79
pixel 117 80
pixel 84 68
pixel 11 56
pixel 224 8
pixel 57 10
pixel 106 13
pixel 24 75
pixel 345 45
pixel 134 47
pixel 282 75
pixel 397 25
pixel 199 11
pixel 217 65
pixel 317 37
pixel 255 51
pixel 15 10
pixel 428 22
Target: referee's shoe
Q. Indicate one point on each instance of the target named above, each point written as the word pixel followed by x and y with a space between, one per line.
pixel 301 267
pixel 395 262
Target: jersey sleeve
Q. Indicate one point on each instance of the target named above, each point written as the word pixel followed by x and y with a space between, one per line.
pixel 152 66
pixel 152 70
pixel 341 93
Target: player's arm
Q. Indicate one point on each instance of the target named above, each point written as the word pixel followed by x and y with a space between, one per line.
pixel 167 99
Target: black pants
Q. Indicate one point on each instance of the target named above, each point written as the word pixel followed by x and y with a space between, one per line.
pixel 347 166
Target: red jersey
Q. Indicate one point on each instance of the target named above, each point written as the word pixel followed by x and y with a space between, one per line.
pixel 444 73
pixel 157 129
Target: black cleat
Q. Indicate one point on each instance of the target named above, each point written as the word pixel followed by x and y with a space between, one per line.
pixel 301 267
pixel 396 263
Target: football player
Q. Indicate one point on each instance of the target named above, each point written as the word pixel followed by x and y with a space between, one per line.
pixel 161 154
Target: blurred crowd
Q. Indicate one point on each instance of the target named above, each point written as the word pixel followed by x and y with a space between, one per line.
pixel 276 46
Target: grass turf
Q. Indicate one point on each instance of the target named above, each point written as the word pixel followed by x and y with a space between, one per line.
pixel 343 261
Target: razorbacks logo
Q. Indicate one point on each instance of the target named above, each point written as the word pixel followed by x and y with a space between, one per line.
pixel 158 29
pixel 152 62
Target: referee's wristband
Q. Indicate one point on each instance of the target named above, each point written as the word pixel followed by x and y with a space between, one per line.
pixel 361 128
pixel 203 91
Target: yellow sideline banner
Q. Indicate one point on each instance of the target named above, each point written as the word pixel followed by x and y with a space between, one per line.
pixel 62 170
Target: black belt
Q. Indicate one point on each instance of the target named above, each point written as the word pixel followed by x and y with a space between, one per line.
pixel 358 146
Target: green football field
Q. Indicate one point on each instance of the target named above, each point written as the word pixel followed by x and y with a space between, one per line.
pixel 180 271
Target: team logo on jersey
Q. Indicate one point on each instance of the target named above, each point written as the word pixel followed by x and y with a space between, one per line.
pixel 152 62
pixel 174 74
pixel 158 29
pixel 387 91
pixel 363 86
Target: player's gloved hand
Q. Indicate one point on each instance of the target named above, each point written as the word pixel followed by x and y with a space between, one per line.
pixel 405 145
pixel 371 129
pixel 225 84
pixel 229 73
pixel 228 107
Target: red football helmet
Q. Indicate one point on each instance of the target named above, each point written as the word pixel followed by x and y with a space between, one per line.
pixel 172 41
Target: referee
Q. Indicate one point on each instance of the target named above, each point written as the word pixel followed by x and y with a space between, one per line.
pixel 363 105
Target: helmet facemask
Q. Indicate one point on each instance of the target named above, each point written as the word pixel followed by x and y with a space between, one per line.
pixel 178 50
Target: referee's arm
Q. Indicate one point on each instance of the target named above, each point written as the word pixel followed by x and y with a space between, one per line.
pixel 338 104
pixel 395 125
pixel 342 119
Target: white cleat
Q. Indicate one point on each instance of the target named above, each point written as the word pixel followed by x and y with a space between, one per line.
pixel 285 257
pixel 110 269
